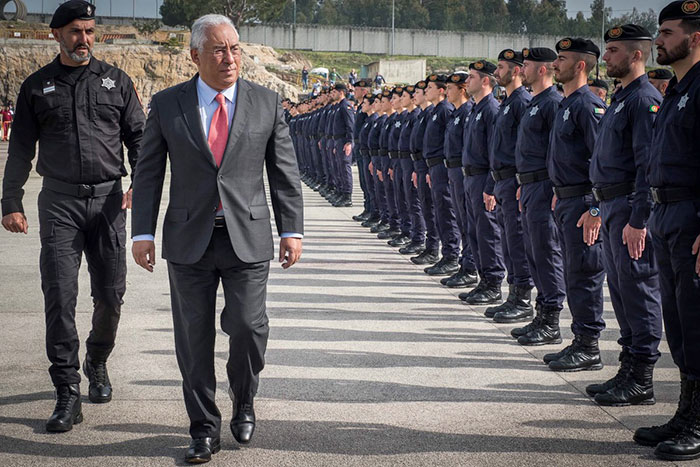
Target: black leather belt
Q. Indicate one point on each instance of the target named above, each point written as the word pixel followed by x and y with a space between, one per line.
pixel 609 192
pixel 393 154
pixel 374 152
pixel 417 156
pixel 503 174
pixel 383 152
pixel 364 152
pixel 470 170
pixel 338 136
pixel 219 221
pixel 83 191
pixel 673 194
pixel 404 155
pixel 572 191
pixel 532 177
pixel 433 161
pixel 452 163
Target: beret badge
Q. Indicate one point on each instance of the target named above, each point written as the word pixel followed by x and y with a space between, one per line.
pixel 690 7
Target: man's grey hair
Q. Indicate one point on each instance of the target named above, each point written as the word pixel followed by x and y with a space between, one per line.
pixel 200 26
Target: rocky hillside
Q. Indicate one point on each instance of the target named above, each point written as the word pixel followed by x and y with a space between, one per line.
pixel 152 67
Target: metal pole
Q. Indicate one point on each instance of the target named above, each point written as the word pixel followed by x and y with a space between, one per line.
pixel 133 10
pixel 110 7
pixel 294 26
pixel 393 2
pixel 602 32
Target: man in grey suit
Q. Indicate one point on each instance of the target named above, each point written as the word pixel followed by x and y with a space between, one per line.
pixel 218 131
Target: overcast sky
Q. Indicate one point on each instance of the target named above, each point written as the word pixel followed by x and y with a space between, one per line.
pixel 148 8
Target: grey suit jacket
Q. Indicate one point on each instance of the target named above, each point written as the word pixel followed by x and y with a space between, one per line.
pixel 258 137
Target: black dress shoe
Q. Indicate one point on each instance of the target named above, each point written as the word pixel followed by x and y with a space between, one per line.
pixel 398 241
pixel 381 227
pixel 444 267
pixel 100 390
pixel 426 257
pixel 201 450
pixel 363 216
pixel 243 422
pixel 412 248
pixel 387 234
pixel 68 410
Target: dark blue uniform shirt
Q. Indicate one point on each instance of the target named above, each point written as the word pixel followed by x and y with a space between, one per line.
pixel 533 131
pixel 364 131
pixel 434 139
pixel 478 134
pixel 454 133
pixel 360 118
pixel 395 131
pixel 407 128
pixel 343 121
pixel 418 131
pixel 573 137
pixel 621 152
pixel 375 132
pixel 505 134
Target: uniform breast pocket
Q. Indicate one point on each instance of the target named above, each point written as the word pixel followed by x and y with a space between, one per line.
pixel 683 131
pixel 568 129
pixel 52 111
pixel 109 108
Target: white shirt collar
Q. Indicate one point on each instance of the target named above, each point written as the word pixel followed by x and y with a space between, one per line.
pixel 208 94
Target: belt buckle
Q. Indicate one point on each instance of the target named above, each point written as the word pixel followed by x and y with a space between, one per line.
pixel 597 193
pixel 86 191
pixel 517 177
pixel 655 195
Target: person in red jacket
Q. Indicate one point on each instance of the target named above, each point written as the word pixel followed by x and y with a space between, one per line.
pixel 6 121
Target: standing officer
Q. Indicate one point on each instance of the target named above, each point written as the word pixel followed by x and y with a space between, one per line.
pixel 385 167
pixel 674 176
pixel 484 232
pixel 618 172
pixel 434 154
pixel 361 90
pixel 375 167
pixel 517 306
pixel 599 87
pixel 79 109
pixel 578 217
pixel 659 78
pixel 343 126
pixel 395 171
pixel 540 231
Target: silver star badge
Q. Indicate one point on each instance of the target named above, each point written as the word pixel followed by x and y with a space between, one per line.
pixel 619 107
pixel 478 116
pixel 506 110
pixel 108 83
pixel 534 111
pixel 456 121
pixel 375 126
pixel 566 114
pixel 434 117
pixel 397 125
pixel 683 101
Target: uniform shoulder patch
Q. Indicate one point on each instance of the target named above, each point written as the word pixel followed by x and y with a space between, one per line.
pixel 599 111
pixel 654 109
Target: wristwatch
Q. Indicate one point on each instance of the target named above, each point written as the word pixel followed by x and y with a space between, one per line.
pixel 594 211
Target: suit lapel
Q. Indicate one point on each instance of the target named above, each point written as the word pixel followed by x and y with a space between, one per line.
pixel 189 104
pixel 244 104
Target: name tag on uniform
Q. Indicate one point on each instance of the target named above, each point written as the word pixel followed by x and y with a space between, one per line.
pixel 49 87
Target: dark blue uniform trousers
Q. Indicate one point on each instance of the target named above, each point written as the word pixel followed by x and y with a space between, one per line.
pixel 344 167
pixel 324 161
pixel 400 196
pixel 379 194
pixel 633 284
pixel 674 228
pixel 389 194
pixel 444 211
pixel 512 229
pixel 456 178
pixel 417 223
pixel 484 231
pixel 432 239
pixel 542 244
pixel 332 164
pixel 367 183
pixel 583 268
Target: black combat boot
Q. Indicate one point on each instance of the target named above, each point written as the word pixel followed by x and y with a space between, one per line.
pixel 444 267
pixel 623 372
pixel 481 285
pixel 489 295
pixel 361 217
pixel 509 304
pixel 521 309
pixel 413 248
pixel 584 355
pixel 653 435
pixel 399 240
pixel 100 390
pixel 545 331
pixel 685 445
pixel 373 221
pixel 426 257
pixel 536 321
pixel 68 410
pixel 636 389
pixel 381 227
pixel 388 234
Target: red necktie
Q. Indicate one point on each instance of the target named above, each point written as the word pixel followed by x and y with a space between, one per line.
pixel 218 132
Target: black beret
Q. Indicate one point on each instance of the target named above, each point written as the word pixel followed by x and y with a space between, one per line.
pixel 421 85
pixel 340 87
pixel 598 83
pixel 627 32
pixel 437 78
pixel 398 90
pixel 362 84
pixel 410 89
pixel 660 73
pixel 539 54
pixel 688 9
pixel 483 66
pixel 386 93
pixel 578 44
pixel 459 77
pixel 72 10
pixel 510 55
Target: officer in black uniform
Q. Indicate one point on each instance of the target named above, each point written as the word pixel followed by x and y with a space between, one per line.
pixel 376 165
pixel 80 110
pixel 539 227
pixel 362 161
pixel 395 171
pixel 674 176
pixel 343 126
pixel 618 172
pixel 599 87
pixel 659 78
pixel 570 147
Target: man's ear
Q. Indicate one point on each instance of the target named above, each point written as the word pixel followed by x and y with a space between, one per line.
pixel 194 54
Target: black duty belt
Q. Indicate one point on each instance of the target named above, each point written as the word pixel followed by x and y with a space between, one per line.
pixel 673 194
pixel 503 174
pixel 374 152
pixel 219 221
pixel 393 154
pixel 83 191
pixel 572 191
pixel 338 136
pixel 433 161
pixel 532 177
pixel 404 155
pixel 452 163
pixel 383 152
pixel 613 191
pixel 364 152
pixel 417 156
pixel 470 170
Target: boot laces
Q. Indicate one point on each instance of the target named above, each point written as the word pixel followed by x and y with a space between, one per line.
pixel 99 373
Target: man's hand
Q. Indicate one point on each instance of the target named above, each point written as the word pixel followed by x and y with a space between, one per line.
pixel 635 240
pixel 144 253
pixel 380 175
pixel 489 202
pixel 15 222
pixel 370 167
pixel 414 179
pixel 591 227
pixel 427 179
pixel 696 250
pixel 290 251
pixel 517 196
pixel 391 174
pixel 126 200
pixel 554 202
pixel 348 149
